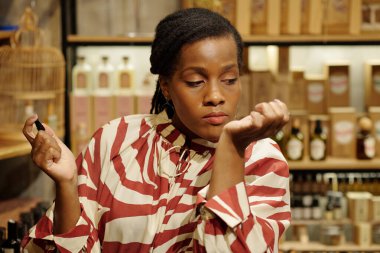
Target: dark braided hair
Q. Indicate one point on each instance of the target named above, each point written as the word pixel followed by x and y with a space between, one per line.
pixel 181 28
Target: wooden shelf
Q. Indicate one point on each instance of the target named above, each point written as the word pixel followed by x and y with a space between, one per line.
pixel 362 39
pixel 10 149
pixel 5 35
pixel 316 246
pixel 11 209
pixel 335 164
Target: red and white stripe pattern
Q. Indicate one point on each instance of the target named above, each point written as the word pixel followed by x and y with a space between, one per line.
pixel 131 203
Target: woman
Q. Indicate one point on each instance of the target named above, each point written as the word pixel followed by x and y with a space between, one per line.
pixel 187 178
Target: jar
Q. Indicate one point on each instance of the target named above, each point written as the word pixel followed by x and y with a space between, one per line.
pixel 331 235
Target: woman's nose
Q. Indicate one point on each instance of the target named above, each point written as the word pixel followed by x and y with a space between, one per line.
pixel 214 95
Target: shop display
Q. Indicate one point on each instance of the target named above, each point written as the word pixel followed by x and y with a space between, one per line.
pixel 337 76
pixel 295 145
pixel 290 16
pixel 316 94
pixel 372 83
pixel 266 18
pixel 318 142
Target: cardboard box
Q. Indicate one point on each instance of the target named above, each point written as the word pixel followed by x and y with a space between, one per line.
pixel 281 88
pixel 262 86
pixel 358 206
pixel 363 233
pixel 342 17
pixel 343 132
pixel 311 16
pixel 337 84
pixel 370 16
pixel 316 95
pixel 375 208
pixel 297 90
pixel 238 12
pixel 291 16
pixel 372 83
pixel 265 17
pixel 374 114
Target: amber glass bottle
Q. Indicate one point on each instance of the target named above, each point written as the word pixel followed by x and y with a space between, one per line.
pixel 294 145
pixel 318 142
pixel 365 143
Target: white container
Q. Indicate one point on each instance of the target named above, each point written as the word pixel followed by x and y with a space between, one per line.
pixel 125 88
pixel 82 80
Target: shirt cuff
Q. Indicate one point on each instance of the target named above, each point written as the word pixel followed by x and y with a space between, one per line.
pixel 232 205
pixel 71 241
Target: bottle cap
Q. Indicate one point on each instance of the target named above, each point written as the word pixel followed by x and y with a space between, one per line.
pixel 365 123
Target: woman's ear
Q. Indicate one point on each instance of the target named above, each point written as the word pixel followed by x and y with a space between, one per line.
pixel 164 86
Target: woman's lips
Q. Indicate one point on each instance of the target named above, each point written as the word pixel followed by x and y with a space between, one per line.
pixel 216 118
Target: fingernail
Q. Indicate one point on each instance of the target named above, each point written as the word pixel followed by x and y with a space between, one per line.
pixel 277 100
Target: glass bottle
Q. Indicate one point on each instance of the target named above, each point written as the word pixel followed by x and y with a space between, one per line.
pixel 104 77
pixel 318 142
pixel 294 146
pixel 125 88
pixel 279 138
pixel 11 244
pixel 82 76
pixel 365 143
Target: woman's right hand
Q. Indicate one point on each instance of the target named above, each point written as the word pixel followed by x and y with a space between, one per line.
pixel 51 154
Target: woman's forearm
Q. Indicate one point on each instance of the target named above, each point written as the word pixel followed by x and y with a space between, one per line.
pixel 67 208
pixel 228 166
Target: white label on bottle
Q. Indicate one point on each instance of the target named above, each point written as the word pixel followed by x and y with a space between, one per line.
pixel 103 80
pixel 306 213
pixel 338 83
pixel 315 92
pixel 297 213
pixel 317 149
pixel 369 147
pixel 377 130
pixel 317 212
pixel 376 82
pixel 344 132
pixel 8 250
pixel 294 149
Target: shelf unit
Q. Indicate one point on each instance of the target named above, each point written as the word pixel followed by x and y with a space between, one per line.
pixel 10 149
pixel 4 35
pixel 296 246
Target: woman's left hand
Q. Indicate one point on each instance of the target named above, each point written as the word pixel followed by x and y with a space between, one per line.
pixel 265 121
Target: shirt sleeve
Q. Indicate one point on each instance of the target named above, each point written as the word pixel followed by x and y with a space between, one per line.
pixel 84 236
pixel 252 215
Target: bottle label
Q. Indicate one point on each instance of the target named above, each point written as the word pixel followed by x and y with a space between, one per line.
pixel 81 81
pixel 369 147
pixel 315 92
pixel 103 80
pixel 338 83
pixel 376 82
pixel 317 149
pixel 294 149
pixel 125 80
pixel 344 132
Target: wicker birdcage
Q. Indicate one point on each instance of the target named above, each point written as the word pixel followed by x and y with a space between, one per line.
pixel 32 80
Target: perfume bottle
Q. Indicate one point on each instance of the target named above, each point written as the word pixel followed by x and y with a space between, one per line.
pixel 295 146
pixel 125 88
pixel 318 142
pixel 365 142
pixel 82 76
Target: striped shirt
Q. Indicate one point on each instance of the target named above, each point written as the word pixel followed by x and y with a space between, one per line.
pixel 142 189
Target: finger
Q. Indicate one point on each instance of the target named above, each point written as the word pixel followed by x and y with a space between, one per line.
pixel 285 110
pixel 46 159
pixel 42 143
pixel 28 128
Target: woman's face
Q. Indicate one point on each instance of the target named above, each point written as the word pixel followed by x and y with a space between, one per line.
pixel 205 87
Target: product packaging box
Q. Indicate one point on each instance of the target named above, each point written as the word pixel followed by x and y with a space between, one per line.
pixel 358 206
pixel 316 97
pixel 337 84
pixel 262 86
pixel 342 17
pixel 265 17
pixel 311 16
pixel 281 88
pixel 343 132
pixel 236 11
pixel 370 16
pixel 372 83
pixel 291 16
pixel 363 233
pixel 297 90
pixel 374 114
pixel 375 208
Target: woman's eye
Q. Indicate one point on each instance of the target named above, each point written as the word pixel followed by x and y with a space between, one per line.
pixel 195 83
pixel 230 81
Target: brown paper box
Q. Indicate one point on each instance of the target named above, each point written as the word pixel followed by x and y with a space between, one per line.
pixel 370 22
pixel 311 16
pixel 337 84
pixel 262 86
pixel 358 206
pixel 297 90
pixel 363 233
pixel 245 105
pixel 281 88
pixel 374 114
pixel 316 98
pixel 372 83
pixel 265 17
pixel 342 17
pixel 290 16
pixel 343 132
pixel 375 208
